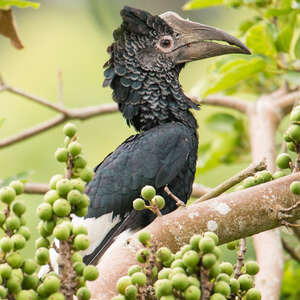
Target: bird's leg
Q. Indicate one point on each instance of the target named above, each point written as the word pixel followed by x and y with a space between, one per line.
pixel 177 200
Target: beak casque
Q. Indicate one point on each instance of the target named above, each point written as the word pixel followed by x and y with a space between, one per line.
pixel 197 41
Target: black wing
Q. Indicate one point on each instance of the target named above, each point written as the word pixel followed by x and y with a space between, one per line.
pixel 164 155
pixel 154 157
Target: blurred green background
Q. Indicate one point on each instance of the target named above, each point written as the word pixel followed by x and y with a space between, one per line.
pixel 72 36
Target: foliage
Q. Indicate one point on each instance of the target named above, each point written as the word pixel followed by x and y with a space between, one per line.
pixel 227 144
pixel 290 283
pixel 272 36
pixel 22 279
pixel 6 4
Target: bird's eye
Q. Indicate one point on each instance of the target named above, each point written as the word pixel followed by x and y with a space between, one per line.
pixel 165 44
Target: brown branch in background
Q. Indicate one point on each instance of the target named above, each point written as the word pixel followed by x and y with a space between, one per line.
pixel 227 184
pixel 65 113
pixel 36 99
pixel 240 259
pixel 72 114
pixel 224 101
pixel 264 116
pixel 286 102
pixel 296 231
pixel 60 87
pixel 42 188
pixel 199 190
pixel 36 188
pixel 290 250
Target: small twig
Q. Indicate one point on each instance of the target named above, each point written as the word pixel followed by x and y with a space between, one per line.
pixel 39 100
pixel 1 81
pixel 36 188
pixel 240 258
pixel 296 231
pixel 60 87
pixel 289 209
pixel 237 104
pixel 288 224
pixel 71 114
pixel 227 184
pixel 291 251
pixel 177 200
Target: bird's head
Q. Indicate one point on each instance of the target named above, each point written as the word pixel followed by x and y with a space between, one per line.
pixel 168 40
pixel 147 56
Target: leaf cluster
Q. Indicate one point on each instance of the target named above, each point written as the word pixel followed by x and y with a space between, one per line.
pixel 272 36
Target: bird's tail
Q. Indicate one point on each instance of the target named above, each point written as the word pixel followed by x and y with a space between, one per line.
pixel 102 232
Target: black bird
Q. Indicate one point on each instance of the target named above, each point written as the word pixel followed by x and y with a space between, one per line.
pixel 147 56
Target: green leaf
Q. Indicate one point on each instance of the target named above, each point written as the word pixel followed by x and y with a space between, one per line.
pixel 20 176
pixel 196 4
pixel 222 122
pixel 19 3
pixel 284 39
pixel 246 25
pixel 237 73
pixel 297 49
pixel 219 149
pixel 277 12
pixel 260 40
pixel 226 144
pixel 292 77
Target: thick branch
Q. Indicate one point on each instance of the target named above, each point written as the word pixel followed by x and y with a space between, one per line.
pixel 227 184
pixel 229 102
pixel 231 216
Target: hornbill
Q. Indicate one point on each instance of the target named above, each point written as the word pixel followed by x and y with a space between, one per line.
pixel 146 58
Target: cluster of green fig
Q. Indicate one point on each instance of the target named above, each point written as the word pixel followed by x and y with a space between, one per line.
pixel 265 176
pixel 65 197
pixel 292 138
pixel 155 202
pixel 258 178
pixel 171 276
pixel 18 278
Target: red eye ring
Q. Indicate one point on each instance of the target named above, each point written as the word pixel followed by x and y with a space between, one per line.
pixel 166 43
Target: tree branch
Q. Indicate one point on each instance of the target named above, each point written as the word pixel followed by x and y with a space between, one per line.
pixel 36 188
pixel 199 190
pixel 264 117
pixel 290 250
pixel 65 113
pixel 71 114
pixel 229 102
pixel 286 102
pixel 231 216
pixel 227 184
pixel 39 100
